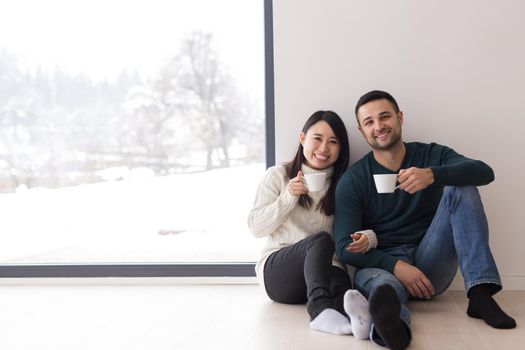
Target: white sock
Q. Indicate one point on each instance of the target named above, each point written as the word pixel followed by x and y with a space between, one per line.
pixel 356 306
pixel 331 321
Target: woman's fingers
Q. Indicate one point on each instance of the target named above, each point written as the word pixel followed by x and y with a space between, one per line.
pixel 296 185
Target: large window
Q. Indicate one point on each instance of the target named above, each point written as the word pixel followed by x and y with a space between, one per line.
pixel 130 131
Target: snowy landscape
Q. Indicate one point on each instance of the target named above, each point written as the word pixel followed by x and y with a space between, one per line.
pixel 137 140
pixel 200 217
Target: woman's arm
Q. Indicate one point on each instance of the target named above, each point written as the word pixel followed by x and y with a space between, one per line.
pixel 273 203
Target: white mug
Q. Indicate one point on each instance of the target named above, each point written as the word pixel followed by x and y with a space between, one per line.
pixel 385 183
pixel 315 181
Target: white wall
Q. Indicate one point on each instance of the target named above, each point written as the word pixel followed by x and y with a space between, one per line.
pixel 456 68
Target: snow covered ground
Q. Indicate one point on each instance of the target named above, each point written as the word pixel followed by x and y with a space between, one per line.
pixel 177 218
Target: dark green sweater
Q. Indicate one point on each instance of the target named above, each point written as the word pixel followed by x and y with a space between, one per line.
pixel 397 218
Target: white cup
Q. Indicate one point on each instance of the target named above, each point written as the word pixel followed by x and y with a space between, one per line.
pixel 315 181
pixel 385 183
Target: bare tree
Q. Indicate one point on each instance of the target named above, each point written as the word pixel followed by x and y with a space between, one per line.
pixel 198 90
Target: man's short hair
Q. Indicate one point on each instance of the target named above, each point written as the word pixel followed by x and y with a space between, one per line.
pixel 375 95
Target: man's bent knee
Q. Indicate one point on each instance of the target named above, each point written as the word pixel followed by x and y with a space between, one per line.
pixel 471 192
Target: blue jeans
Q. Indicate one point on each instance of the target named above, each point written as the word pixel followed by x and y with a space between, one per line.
pixel 458 234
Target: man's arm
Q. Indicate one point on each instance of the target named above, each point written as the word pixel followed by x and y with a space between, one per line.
pixel 349 205
pixel 458 170
pixel 453 170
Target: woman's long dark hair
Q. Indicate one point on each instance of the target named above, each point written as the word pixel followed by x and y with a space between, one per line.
pixel 327 203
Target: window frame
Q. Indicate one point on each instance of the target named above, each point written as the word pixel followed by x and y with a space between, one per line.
pixel 175 269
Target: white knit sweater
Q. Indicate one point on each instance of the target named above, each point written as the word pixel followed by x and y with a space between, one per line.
pixel 277 216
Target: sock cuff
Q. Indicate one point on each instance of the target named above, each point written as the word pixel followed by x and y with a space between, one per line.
pixel 483 289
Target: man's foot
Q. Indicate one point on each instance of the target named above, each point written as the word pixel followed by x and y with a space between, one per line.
pixel 356 306
pixel 331 321
pixel 385 309
pixel 482 305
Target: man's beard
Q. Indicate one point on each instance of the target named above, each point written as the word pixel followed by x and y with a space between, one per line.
pixel 396 137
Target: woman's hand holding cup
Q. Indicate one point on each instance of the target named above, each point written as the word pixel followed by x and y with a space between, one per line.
pixel 296 185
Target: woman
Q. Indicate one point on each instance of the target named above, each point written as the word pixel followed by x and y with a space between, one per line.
pixel 298 264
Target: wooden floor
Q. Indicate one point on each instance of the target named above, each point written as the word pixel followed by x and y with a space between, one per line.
pixel 173 316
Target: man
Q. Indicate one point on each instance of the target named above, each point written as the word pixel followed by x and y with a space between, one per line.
pixel 431 224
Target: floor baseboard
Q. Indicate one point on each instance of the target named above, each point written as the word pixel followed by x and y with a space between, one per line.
pixel 509 282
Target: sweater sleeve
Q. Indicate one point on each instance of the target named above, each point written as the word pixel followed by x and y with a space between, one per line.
pixel 372 238
pixel 273 203
pixel 349 204
pixel 458 170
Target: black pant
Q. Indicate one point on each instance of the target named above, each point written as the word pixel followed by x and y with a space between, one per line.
pixel 303 273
